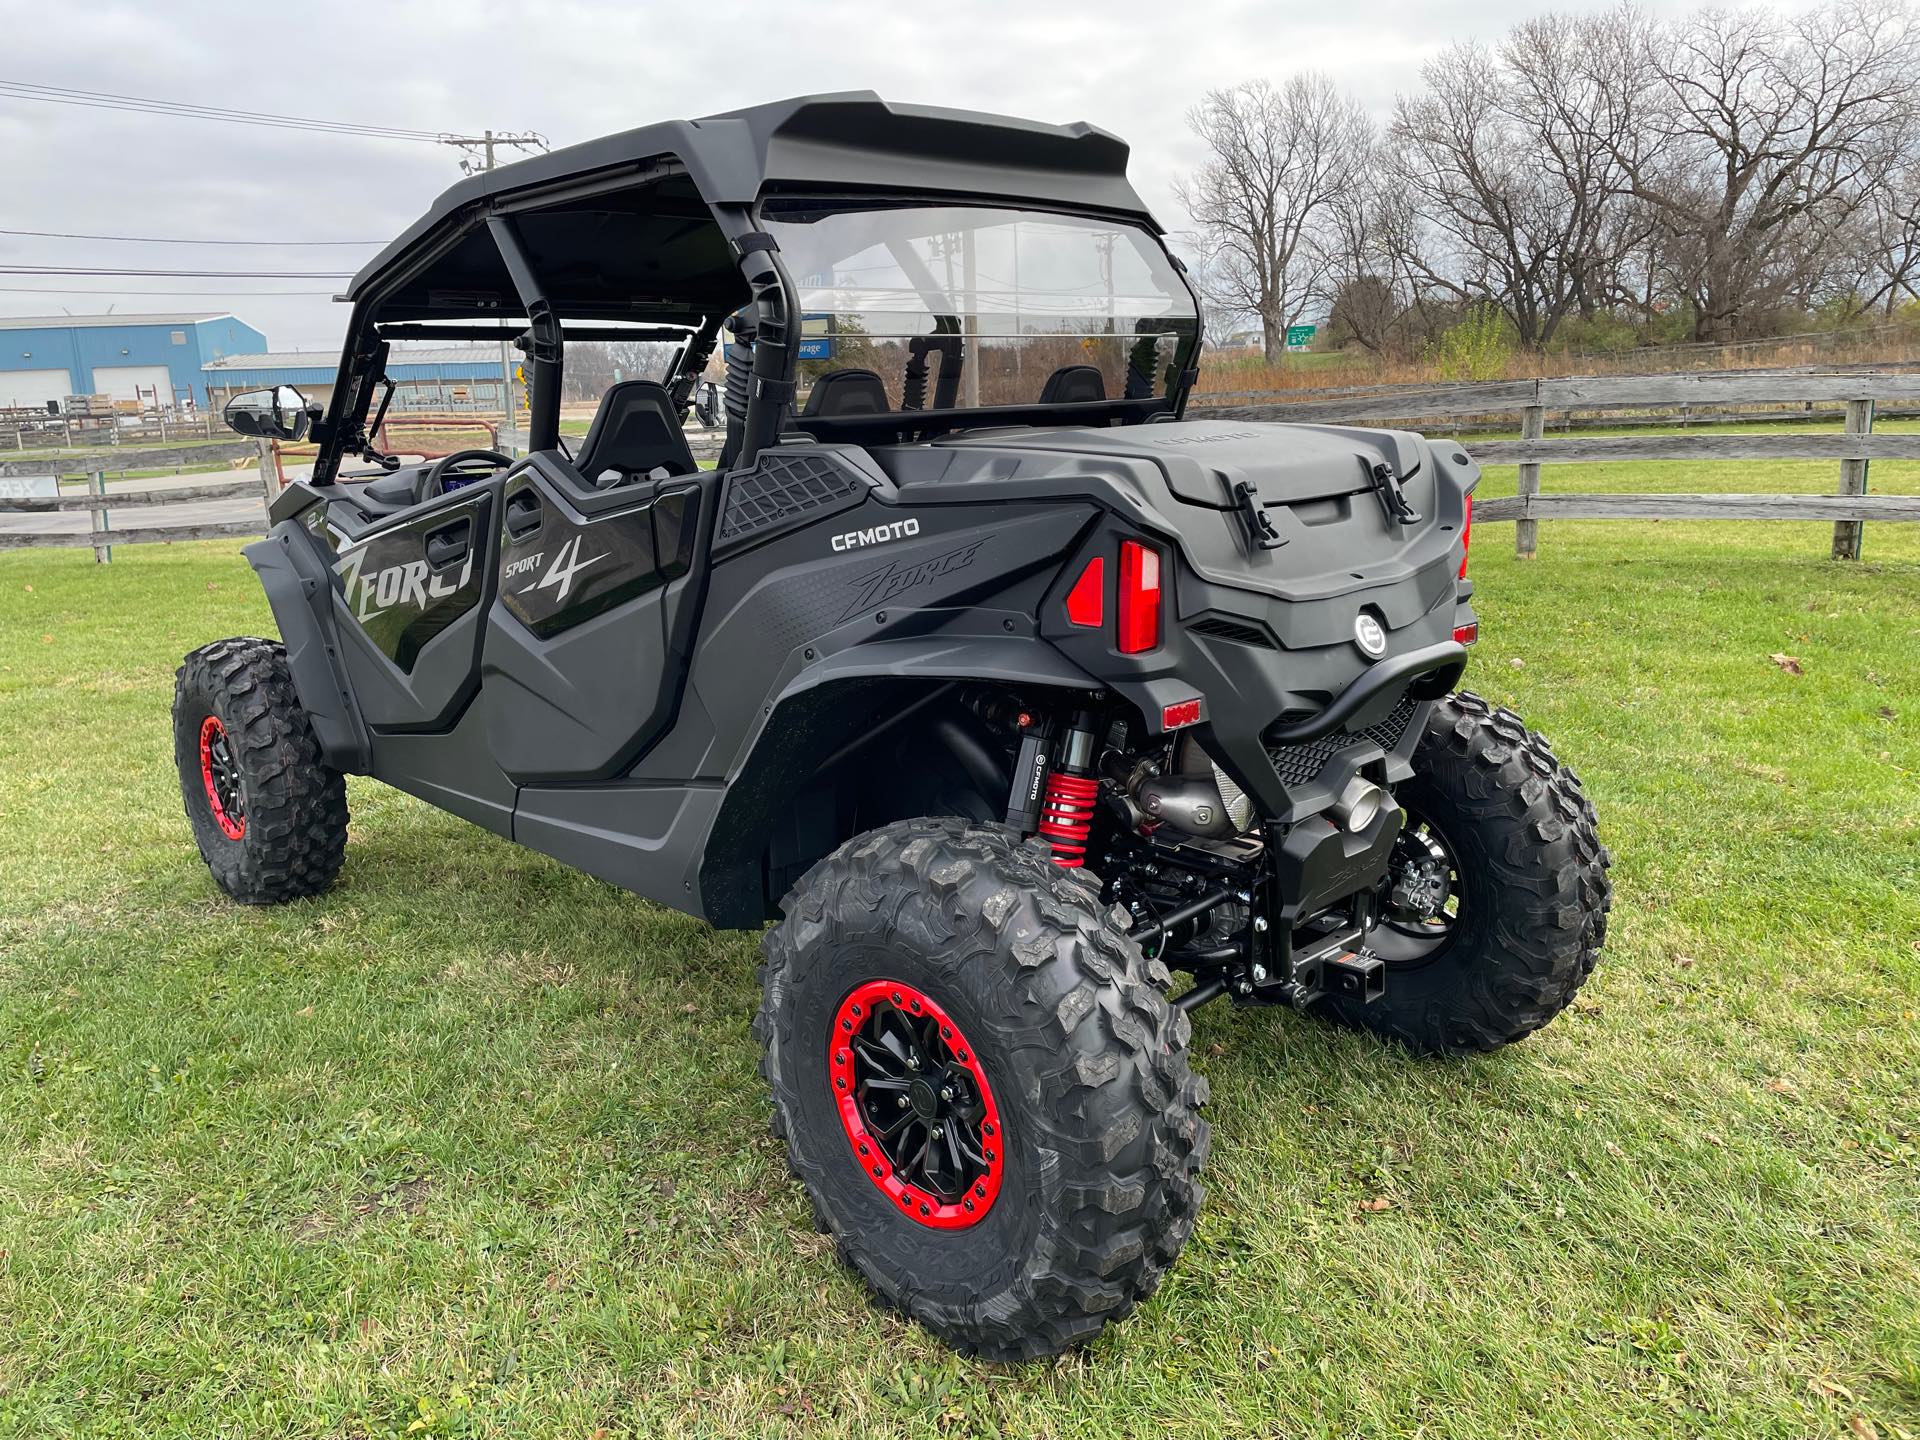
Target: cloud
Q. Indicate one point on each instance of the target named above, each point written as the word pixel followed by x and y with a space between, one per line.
pixel 573 71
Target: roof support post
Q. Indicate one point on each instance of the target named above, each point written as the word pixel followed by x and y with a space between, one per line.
pixel 542 344
pixel 776 338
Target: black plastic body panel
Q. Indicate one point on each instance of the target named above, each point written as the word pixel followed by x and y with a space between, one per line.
pixel 295 572
pixel 587 647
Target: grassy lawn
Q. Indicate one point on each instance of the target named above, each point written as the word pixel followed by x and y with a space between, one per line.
pixel 475 1144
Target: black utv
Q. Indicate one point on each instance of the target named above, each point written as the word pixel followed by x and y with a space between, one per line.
pixel 1005 690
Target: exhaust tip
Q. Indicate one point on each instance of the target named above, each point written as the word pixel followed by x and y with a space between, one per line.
pixel 1359 805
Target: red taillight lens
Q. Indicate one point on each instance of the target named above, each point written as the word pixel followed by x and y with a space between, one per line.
pixel 1139 627
pixel 1466 634
pixel 1466 535
pixel 1087 601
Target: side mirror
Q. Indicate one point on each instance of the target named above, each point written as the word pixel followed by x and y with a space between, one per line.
pixel 706 402
pixel 277 414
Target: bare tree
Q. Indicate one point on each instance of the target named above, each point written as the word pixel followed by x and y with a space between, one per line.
pixel 1281 158
pixel 1512 157
pixel 1765 136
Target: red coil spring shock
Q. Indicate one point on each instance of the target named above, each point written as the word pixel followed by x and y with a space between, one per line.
pixel 1066 816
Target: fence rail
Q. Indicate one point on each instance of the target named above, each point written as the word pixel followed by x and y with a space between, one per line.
pixel 100 464
pixel 1530 402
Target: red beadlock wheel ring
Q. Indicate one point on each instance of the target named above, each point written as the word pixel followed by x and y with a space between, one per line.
pixel 222 778
pixel 914 1101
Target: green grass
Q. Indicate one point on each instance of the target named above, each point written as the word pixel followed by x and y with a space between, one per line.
pixel 475 1144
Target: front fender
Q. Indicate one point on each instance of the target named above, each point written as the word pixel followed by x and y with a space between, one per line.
pixel 299 585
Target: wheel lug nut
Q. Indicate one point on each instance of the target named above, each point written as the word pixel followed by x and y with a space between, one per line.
pixel 903 1102
pixel 937 1132
pixel 946 1092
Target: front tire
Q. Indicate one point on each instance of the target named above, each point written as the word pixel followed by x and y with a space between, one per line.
pixel 949 956
pixel 1519 899
pixel 269 815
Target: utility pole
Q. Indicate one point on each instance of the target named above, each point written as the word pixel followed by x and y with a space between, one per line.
pixel 478 159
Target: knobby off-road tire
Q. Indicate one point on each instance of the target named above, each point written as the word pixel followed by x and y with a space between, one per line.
pixel 269 816
pixel 1070 1028
pixel 1533 888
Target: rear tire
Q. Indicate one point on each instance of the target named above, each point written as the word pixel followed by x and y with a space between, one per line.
pixel 1053 1014
pixel 269 815
pixel 1531 885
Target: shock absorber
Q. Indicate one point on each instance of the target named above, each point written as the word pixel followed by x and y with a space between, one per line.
pixel 1066 814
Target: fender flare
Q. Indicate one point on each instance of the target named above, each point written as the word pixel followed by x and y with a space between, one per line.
pixel 299 586
pixel 766 777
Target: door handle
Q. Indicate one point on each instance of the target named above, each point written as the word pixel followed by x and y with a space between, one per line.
pixel 524 513
pixel 449 545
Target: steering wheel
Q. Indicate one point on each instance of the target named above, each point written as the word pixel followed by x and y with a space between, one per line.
pixel 436 481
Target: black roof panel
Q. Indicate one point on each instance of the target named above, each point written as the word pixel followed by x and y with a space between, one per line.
pixel 853 140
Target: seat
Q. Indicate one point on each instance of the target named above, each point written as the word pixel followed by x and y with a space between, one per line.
pixel 1074 385
pixel 846 392
pixel 635 432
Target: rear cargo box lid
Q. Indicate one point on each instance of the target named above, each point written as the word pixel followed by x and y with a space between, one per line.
pixel 1204 459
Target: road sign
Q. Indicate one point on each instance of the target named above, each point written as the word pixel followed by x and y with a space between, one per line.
pixel 816 337
pixel 1300 337
pixel 28 487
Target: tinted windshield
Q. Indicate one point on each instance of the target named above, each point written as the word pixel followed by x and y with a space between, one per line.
pixel 1008 306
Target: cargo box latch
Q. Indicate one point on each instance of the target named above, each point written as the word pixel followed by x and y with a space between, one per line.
pixel 1386 484
pixel 1260 527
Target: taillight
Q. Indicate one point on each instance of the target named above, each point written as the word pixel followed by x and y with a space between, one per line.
pixel 1466 535
pixel 1139 622
pixel 1466 634
pixel 1087 601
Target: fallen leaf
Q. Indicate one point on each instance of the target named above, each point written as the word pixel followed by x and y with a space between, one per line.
pixel 27 588
pixel 1685 962
pixel 1615 1151
pixel 1788 663
pixel 304 1011
pixel 1831 1388
pixel 1780 1085
pixel 1887 713
pixel 1517 663
pixel 1863 1427
pixel 1376 1204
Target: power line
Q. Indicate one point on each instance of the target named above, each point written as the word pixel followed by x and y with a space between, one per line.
pixel 179 274
pixel 155 294
pixel 107 100
pixel 170 240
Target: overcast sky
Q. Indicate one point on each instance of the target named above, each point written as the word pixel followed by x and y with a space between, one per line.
pixel 571 71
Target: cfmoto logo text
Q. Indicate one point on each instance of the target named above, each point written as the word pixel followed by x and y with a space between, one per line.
pixel 878 535
pixel 1370 635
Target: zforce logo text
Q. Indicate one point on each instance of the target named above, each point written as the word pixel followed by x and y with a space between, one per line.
pixel 410 583
pixel 879 586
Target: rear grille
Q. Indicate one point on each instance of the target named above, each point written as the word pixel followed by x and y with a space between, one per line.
pixel 1215 628
pixel 1298 764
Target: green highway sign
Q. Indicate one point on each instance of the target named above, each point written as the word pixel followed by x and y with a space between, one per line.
pixel 1299 337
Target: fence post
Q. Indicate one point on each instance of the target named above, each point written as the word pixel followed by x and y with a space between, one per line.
pixel 97 485
pixel 269 468
pixel 1853 481
pixel 1533 426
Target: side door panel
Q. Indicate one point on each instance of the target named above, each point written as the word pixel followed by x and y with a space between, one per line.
pixel 585 653
pixel 410 592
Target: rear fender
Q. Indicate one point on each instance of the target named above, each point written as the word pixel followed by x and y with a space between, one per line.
pixel 821 718
pixel 294 572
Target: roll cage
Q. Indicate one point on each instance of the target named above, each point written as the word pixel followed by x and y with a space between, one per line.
pixel 656 234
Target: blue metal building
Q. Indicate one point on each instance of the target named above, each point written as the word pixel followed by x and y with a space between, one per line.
pixel 154 359
pixel 451 376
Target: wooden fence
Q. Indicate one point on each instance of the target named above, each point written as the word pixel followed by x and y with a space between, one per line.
pixel 1531 401
pixel 101 465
